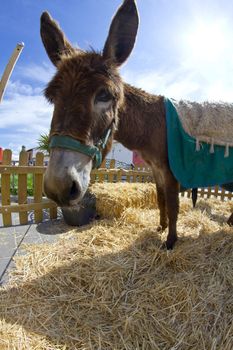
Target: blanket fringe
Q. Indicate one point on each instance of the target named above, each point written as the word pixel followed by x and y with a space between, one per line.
pixel 198 147
pixel 212 146
pixel 226 154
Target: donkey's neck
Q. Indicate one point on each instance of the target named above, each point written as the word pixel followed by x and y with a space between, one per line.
pixel 140 115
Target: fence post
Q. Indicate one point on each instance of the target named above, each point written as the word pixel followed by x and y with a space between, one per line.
pixel 223 192
pixel 103 164
pixel 38 184
pixel 119 175
pixel 22 188
pixel 6 187
pixel 216 191
pixel 209 192
pixel 111 166
pixel 139 177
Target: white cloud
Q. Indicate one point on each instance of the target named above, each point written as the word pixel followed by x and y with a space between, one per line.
pixel 39 73
pixel 195 61
pixel 190 80
pixel 29 111
pixel 176 84
pixel 17 88
pixel 24 115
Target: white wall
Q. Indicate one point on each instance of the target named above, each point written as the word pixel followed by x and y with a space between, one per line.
pixel 120 153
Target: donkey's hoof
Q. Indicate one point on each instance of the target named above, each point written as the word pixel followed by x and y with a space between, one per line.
pixel 230 220
pixel 161 228
pixel 170 243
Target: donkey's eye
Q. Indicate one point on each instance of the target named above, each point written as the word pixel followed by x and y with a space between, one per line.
pixel 103 96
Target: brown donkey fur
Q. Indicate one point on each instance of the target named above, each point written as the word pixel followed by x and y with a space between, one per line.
pixel 137 118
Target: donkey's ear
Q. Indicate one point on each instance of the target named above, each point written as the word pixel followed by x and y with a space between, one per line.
pixel 122 33
pixel 54 40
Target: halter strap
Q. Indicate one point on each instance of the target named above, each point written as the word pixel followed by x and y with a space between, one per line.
pixel 94 152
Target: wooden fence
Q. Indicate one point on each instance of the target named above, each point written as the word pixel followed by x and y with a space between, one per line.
pixel 24 203
pixel 15 178
pixel 109 173
pixel 36 203
pixel 208 192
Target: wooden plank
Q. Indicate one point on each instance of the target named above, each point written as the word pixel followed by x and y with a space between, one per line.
pixel 122 171
pixel 222 194
pixel 22 188
pixel 209 192
pixel 112 166
pixel 53 212
pixel 141 178
pixel 103 164
pixel 128 178
pixel 38 187
pixel 119 175
pixel 9 169
pixel 93 177
pixel 134 177
pixel 230 195
pixel 216 191
pixel 101 176
pixel 9 68
pixel 202 193
pixel 6 160
pixel 18 208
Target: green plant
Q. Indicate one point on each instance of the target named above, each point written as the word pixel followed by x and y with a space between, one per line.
pixel 43 143
pixel 14 184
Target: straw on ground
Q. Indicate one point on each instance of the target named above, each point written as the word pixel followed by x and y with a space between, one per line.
pixel 109 285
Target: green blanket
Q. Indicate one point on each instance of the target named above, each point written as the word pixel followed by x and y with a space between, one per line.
pixel 194 168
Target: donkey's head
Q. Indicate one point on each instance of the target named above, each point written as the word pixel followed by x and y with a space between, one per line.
pixel 87 92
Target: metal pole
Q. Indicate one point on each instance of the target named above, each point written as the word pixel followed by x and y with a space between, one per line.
pixel 9 68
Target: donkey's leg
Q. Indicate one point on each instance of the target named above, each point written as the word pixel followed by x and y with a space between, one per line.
pixel 172 200
pixel 162 207
pixel 230 220
pixel 161 198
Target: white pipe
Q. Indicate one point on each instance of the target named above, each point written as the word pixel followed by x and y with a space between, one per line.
pixel 9 68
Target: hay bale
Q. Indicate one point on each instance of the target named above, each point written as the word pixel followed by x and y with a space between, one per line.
pixel 113 198
pixel 109 200
pixel 111 286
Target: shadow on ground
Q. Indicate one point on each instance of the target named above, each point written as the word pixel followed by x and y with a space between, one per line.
pixel 91 302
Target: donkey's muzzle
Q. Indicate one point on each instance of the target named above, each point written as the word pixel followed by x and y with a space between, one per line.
pixel 67 176
pixel 67 194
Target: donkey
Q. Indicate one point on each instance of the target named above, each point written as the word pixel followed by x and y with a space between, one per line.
pixel 93 106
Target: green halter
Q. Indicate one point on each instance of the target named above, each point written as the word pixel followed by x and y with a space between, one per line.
pixel 94 152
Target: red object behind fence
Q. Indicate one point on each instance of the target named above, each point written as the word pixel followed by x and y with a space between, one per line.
pixel 137 160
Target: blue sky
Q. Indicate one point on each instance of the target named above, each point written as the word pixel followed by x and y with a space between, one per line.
pixel 184 50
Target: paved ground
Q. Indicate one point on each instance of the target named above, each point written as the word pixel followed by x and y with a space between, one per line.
pixel 11 239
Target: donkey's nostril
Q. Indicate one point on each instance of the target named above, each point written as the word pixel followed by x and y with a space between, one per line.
pixel 74 191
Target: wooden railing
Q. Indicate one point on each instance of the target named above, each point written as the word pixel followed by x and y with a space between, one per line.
pixel 113 174
pixel 23 201
pixel 14 185
pixel 208 192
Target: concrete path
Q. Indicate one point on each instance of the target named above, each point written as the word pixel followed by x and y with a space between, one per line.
pixel 11 239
